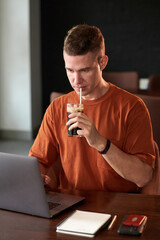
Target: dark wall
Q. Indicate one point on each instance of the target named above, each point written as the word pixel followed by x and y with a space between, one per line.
pixel 131 30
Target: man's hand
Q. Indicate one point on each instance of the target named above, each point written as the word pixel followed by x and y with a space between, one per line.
pixel 49 184
pixel 88 130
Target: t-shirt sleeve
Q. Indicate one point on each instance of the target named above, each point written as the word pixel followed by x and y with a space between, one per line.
pixel 139 138
pixel 45 146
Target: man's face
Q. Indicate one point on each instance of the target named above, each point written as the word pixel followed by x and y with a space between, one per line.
pixel 84 72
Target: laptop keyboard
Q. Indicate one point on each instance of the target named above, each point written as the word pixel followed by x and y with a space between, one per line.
pixel 53 205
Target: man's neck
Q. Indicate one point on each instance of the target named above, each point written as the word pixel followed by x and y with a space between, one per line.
pixel 101 91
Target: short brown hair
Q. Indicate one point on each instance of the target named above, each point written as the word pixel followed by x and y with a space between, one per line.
pixel 82 39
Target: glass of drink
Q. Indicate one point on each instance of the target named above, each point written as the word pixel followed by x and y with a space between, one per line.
pixel 72 108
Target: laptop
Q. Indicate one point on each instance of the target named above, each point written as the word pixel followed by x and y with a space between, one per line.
pixel 22 189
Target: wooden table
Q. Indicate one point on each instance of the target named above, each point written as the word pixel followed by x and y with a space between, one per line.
pixel 17 226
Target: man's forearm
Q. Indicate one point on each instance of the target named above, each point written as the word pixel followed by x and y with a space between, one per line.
pixel 128 166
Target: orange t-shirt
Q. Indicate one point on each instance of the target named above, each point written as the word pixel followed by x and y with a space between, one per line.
pixel 119 116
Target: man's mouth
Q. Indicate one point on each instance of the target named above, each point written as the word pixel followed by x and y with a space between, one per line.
pixel 78 88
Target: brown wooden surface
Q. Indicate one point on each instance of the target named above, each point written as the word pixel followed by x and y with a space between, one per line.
pixel 17 226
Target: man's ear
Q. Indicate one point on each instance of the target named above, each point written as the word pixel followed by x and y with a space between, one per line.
pixel 103 62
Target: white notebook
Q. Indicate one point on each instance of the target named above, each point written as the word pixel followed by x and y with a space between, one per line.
pixel 84 223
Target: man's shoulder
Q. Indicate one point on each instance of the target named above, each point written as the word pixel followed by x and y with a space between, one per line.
pixel 122 96
pixel 122 93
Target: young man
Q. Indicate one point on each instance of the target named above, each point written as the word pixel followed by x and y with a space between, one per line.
pixel 116 150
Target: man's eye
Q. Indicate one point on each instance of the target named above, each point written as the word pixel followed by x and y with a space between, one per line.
pixel 69 70
pixel 86 70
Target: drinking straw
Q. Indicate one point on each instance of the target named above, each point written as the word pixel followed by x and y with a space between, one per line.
pixel 80 96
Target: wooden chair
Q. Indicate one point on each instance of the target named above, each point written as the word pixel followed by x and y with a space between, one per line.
pixel 125 80
pixel 153 105
pixel 153 187
pixel 54 95
pixel 154 82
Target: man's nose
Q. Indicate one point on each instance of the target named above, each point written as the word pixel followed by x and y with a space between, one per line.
pixel 77 78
